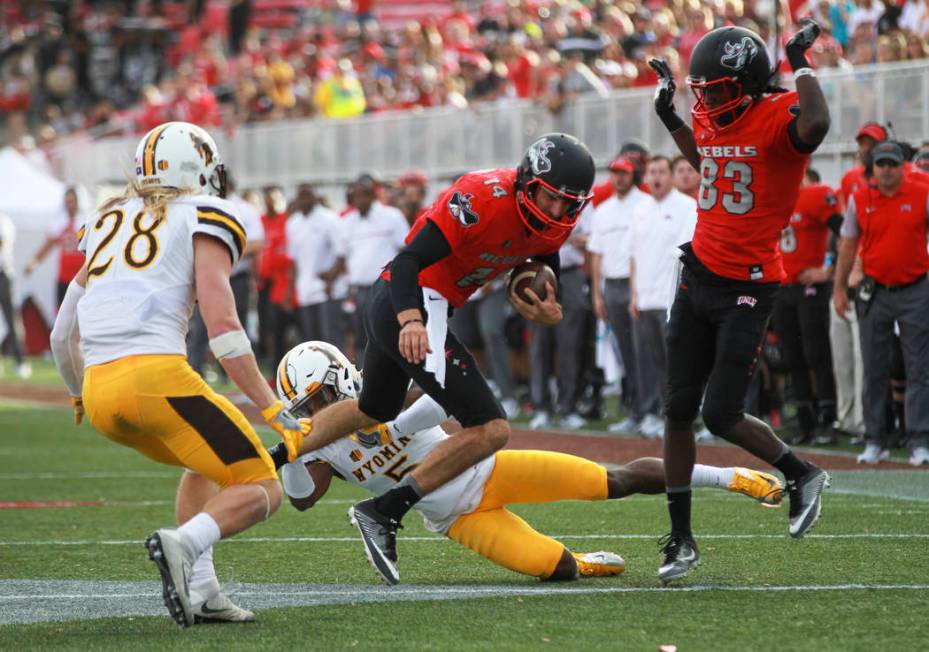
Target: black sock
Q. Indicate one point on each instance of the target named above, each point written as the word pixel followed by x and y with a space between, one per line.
pixel 398 501
pixel 791 466
pixel 679 509
pixel 278 454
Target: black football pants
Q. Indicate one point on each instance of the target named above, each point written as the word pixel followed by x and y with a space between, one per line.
pixel 714 337
pixel 466 394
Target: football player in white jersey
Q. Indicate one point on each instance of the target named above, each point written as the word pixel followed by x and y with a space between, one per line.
pixel 470 509
pixel 119 344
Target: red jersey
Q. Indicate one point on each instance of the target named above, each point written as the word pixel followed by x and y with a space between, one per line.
pixel 892 232
pixel 273 264
pixel 804 241
pixel 478 217
pixel 751 174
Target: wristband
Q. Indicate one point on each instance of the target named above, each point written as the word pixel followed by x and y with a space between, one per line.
pixel 671 120
pixel 804 72
pixel 410 321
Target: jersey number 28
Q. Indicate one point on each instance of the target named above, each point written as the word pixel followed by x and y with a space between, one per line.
pixel 140 249
pixel 740 200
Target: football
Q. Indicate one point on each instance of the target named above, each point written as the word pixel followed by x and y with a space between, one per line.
pixel 533 275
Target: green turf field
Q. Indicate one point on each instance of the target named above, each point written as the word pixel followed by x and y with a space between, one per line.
pixel 860 581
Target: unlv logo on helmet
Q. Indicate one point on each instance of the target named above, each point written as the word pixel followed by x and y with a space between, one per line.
pixel 738 54
pixel 460 208
pixel 538 156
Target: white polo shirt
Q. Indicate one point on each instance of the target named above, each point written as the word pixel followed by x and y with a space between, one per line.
pixel 610 231
pixel 370 242
pixel 250 219
pixel 311 249
pixel 570 256
pixel 658 228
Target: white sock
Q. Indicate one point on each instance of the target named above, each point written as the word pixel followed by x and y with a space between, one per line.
pixel 201 532
pixel 203 578
pixel 711 476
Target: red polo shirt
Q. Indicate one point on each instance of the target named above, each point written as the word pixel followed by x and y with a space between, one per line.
pixel 892 232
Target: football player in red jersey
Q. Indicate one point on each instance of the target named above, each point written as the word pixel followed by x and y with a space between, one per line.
pixel 751 143
pixel 486 223
pixel 801 313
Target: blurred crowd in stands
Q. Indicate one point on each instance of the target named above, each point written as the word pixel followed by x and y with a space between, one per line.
pixel 122 66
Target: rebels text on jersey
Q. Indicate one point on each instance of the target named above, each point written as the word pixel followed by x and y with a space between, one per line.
pixel 479 219
pixel 804 241
pixel 750 178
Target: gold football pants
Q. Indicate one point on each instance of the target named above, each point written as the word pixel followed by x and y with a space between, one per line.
pixel 501 536
pixel 161 407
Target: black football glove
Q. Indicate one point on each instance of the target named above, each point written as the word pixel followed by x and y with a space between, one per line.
pixel 664 95
pixel 800 42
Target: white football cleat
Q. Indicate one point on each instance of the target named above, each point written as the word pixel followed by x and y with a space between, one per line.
pixel 920 456
pixel 219 609
pixel 174 559
pixel 873 454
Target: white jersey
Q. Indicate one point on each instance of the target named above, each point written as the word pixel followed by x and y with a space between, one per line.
pixel 377 463
pixel 140 275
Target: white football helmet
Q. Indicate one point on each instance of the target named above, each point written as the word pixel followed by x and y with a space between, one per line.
pixel 180 155
pixel 313 375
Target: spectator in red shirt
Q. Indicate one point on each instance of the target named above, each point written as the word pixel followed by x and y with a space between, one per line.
pixel 274 302
pixel 62 233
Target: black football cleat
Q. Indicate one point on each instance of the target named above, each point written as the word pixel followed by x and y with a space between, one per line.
pixel 379 534
pixel 805 500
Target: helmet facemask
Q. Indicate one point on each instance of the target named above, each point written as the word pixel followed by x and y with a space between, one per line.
pixel 541 223
pixel 312 402
pixel 724 113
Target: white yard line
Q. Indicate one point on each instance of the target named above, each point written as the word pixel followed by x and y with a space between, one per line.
pixel 434 539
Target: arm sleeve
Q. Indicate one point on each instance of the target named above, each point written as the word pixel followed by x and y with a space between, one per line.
pixel 428 247
pixel 850 228
pixel 424 413
pixel 796 141
pixel 297 481
pixel 66 341
pixel 222 225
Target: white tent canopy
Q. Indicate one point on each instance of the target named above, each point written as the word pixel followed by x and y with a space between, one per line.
pixel 30 196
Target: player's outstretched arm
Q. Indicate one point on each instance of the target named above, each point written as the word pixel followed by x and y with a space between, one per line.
pixel 812 125
pixel 664 106
pixel 229 342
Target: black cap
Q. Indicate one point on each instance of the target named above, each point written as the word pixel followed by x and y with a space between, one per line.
pixel 887 151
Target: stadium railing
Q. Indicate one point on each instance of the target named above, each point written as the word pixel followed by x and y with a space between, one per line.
pixel 446 142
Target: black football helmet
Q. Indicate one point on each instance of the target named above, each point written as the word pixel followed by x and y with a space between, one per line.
pixel 563 165
pixel 732 61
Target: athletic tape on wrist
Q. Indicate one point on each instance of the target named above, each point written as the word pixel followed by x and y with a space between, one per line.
pixel 230 345
pixel 804 72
